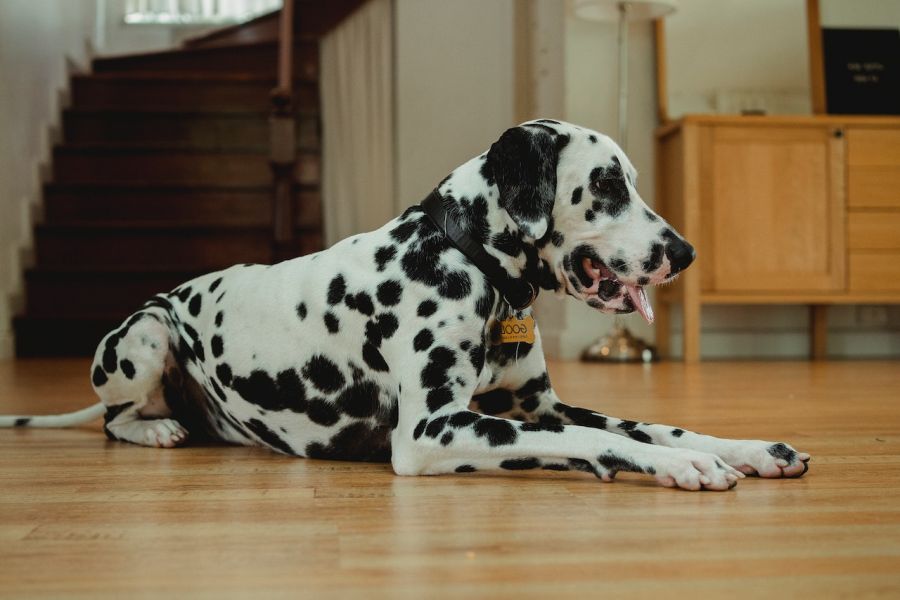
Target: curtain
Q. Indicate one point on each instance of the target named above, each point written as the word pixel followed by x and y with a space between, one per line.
pixel 357 99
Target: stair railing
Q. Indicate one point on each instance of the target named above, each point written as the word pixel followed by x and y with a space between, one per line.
pixel 282 142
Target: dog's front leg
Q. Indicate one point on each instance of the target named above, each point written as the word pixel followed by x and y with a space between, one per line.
pixel 436 433
pixel 752 457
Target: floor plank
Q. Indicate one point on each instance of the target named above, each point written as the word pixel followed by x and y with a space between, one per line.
pixel 82 517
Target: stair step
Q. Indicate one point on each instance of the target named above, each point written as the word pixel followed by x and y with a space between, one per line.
pixel 61 336
pixel 193 93
pixel 171 164
pixel 102 292
pixel 200 129
pixel 180 248
pixel 97 204
pixel 256 58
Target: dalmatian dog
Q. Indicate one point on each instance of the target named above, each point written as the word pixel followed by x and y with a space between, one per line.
pixel 385 347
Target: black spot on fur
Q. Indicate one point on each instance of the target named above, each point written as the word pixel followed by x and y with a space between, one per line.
pixel 217 346
pixel 520 464
pixel 389 292
pixel 404 231
pixel 435 427
pixel 495 402
pixel 214 285
pixel 576 195
pixel 267 436
pixel 534 386
pixel 614 464
pixel 465 469
pixel 373 357
pixel 127 368
pixel 420 429
pixel 384 255
pixel 357 441
pixel 423 340
pixel 464 418
pixel 508 242
pixel 336 290
pixel 557 238
pixel 22 422
pixel 593 138
pixel 98 377
pixel 301 310
pixel 447 438
pixel 640 436
pixel 219 316
pixel 364 304
pixel 780 450
pixel 581 416
pixel 677 432
pixel 322 412
pixel 441 359
pixel 359 400
pixel 542 427
pixel 285 392
pixel 426 308
pixel 195 305
pixel 323 374
pixel 331 322
pixel 497 431
pixel 643 280
pixel 654 260
pixel 438 397
pixel 387 324
pixel 223 372
pixel 589 215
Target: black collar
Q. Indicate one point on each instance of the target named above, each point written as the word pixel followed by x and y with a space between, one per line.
pixel 518 293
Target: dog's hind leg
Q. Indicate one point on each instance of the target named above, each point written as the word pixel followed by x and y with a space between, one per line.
pixel 127 375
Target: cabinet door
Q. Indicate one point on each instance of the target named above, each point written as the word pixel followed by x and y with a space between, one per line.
pixel 775 197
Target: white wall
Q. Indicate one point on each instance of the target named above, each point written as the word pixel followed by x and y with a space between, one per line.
pixel 36 36
pixel 41 43
pixel 454 87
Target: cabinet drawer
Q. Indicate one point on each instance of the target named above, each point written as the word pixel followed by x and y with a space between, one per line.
pixel 873 168
pixel 873 231
pixel 874 271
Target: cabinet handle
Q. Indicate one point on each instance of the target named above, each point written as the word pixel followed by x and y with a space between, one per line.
pixel 838 133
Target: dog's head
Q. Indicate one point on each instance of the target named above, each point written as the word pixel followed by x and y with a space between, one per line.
pixel 573 191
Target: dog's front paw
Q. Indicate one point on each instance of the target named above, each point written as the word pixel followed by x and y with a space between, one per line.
pixel 165 433
pixel 692 470
pixel 769 459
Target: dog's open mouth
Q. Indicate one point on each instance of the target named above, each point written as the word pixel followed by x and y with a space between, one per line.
pixel 605 285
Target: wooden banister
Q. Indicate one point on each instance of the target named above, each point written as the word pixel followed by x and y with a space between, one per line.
pixel 282 143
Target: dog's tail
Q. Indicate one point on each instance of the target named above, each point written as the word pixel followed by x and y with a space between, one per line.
pixel 78 417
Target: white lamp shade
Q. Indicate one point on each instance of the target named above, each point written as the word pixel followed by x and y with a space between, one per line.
pixel 608 10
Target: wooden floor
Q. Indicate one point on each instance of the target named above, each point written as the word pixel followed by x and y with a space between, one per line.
pixel 83 517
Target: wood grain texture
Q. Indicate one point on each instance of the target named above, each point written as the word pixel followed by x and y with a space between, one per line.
pixel 81 517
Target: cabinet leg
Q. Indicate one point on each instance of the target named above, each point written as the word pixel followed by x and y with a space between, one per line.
pixel 691 330
pixel 663 329
pixel 818 331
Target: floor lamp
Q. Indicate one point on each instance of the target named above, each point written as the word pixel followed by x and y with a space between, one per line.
pixel 620 345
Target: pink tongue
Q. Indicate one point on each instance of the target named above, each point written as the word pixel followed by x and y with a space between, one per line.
pixel 639 299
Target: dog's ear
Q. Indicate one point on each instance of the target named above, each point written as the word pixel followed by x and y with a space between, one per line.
pixel 523 165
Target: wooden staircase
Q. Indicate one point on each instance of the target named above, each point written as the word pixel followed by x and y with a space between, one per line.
pixel 164 174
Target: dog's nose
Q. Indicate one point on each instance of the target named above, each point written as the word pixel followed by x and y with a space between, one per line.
pixel 680 255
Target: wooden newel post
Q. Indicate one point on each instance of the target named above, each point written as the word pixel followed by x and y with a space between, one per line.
pixel 282 142
pixel 283 160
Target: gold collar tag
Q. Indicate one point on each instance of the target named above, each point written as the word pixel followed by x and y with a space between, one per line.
pixel 514 330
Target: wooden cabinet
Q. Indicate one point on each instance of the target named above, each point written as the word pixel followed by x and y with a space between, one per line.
pixel 782 210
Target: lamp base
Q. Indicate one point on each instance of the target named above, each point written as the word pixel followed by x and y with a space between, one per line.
pixel 618 346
